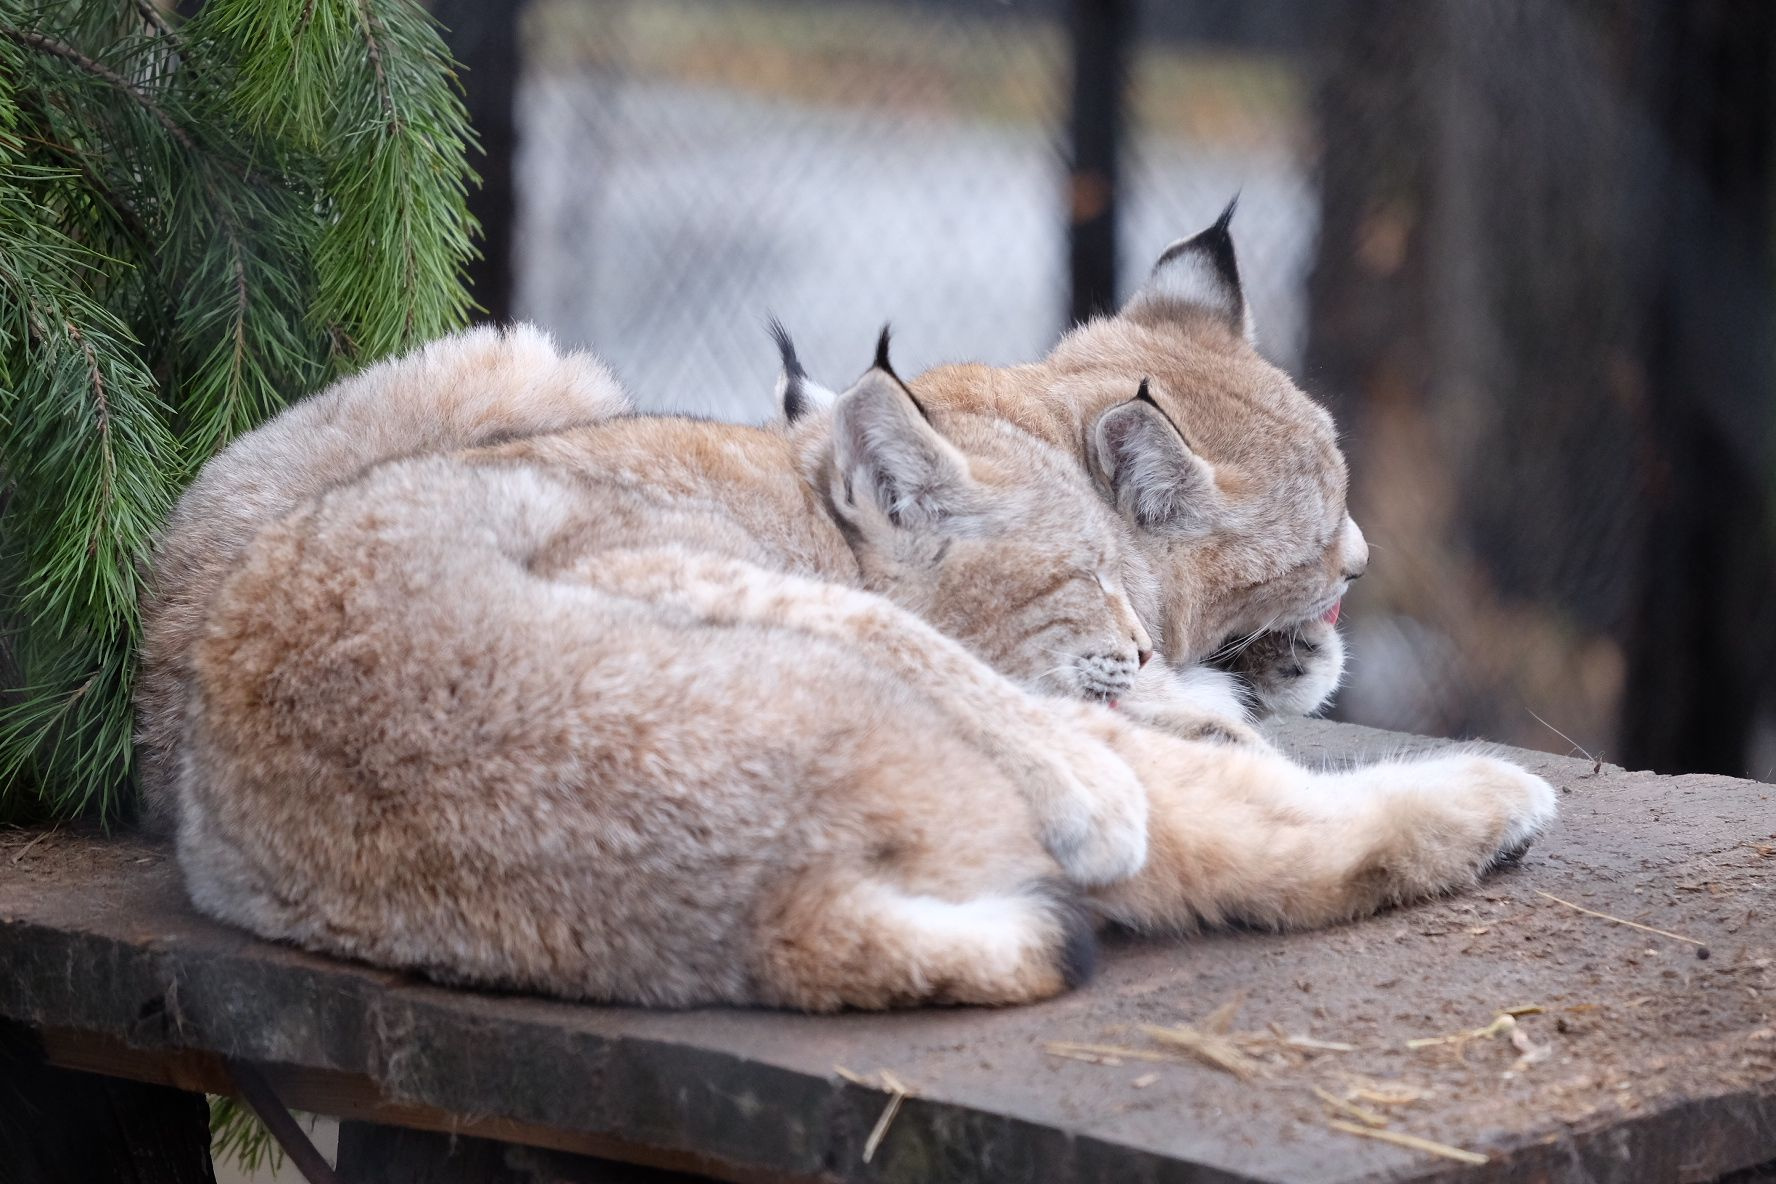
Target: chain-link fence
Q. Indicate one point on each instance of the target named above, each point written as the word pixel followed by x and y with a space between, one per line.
pixel 1455 225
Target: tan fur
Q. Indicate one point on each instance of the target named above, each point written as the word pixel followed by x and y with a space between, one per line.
pixel 1248 539
pixel 1276 551
pixel 475 386
pixel 671 712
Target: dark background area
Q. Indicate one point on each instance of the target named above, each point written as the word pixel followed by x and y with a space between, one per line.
pixel 1522 248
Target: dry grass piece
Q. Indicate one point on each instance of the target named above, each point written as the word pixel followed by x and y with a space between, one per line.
pixel 1144 1080
pixel 1345 1106
pixel 1307 1043
pixel 1411 1142
pixel 1220 1020
pixel 1504 1023
pixel 26 849
pixel 1385 1093
pixel 897 1090
pixel 1619 920
pixel 1089 1058
pixel 1531 1052
pixel 1105 1053
pixel 1215 1051
pixel 880 1130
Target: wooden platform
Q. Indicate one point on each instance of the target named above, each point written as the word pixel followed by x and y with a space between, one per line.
pixel 1637 1056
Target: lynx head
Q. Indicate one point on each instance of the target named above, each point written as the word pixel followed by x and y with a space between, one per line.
pixel 996 538
pixel 1228 478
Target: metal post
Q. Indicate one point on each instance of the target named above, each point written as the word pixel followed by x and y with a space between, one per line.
pixel 484 39
pixel 1101 34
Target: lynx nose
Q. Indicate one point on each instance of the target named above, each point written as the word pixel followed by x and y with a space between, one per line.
pixel 1356 550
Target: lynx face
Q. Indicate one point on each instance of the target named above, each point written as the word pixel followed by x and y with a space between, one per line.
pixel 1229 479
pixel 994 537
pixel 1224 480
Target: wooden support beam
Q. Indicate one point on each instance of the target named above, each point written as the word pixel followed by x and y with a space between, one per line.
pixel 357 1100
pixel 60 1125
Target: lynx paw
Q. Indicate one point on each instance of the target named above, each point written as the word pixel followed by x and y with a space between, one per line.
pixel 1094 822
pixel 1437 824
pixel 1527 802
pixel 1469 812
pixel 1289 672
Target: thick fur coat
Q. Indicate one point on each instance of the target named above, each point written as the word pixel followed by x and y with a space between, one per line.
pixel 456 668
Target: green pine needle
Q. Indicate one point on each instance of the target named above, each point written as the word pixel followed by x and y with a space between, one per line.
pixel 198 223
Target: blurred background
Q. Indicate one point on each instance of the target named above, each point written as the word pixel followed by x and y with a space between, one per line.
pixel 1522 248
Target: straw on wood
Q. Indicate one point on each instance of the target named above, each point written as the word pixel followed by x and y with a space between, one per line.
pixel 1412 1142
pixel 1212 1050
pixel 1619 920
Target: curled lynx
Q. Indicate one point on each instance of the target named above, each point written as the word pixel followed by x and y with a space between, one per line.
pixel 519 690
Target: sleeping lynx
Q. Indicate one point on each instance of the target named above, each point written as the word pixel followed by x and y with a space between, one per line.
pixel 672 712
pixel 1229 480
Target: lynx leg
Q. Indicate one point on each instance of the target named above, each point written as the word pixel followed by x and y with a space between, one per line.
pixel 1091 810
pixel 1241 835
pixel 834 943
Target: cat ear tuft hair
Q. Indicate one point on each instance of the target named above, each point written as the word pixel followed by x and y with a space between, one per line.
pixel 1197 274
pixel 797 395
pixel 882 363
pixel 886 367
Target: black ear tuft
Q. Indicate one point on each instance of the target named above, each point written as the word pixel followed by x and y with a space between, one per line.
pixel 793 398
pixel 885 366
pixel 1216 245
pixel 1200 273
pixel 882 363
pixel 1225 221
pixel 792 365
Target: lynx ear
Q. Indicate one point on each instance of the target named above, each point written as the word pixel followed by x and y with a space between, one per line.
pixel 1198 274
pixel 887 456
pixel 1159 482
pixel 797 394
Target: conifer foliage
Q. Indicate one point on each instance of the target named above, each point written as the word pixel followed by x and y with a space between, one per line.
pixel 199 221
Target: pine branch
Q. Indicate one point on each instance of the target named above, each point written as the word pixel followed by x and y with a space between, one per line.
pixel 42 44
pixel 197 220
pixel 402 200
pixel 154 19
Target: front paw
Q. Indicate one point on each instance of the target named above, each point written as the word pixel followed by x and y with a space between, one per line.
pixel 1526 803
pixel 1288 672
pixel 1095 824
pixel 1458 815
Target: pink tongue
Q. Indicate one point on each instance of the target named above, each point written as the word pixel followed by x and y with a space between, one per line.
pixel 1330 616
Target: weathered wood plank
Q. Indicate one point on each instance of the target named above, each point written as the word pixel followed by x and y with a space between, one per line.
pixel 1661 1064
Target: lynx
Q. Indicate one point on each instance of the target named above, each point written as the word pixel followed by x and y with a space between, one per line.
pixel 1228 480
pixel 671 712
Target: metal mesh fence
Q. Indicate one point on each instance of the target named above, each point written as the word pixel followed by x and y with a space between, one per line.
pixel 1445 227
